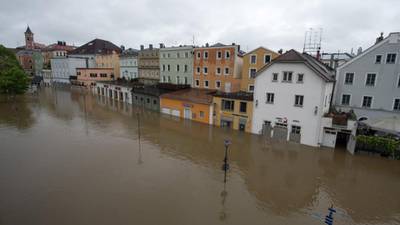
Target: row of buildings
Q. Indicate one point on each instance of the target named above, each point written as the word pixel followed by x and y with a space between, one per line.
pixel 310 99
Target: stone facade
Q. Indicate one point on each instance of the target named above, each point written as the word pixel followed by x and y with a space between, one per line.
pixel 149 65
pixel 176 65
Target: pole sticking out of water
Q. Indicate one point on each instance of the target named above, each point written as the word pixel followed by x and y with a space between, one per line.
pixel 138 122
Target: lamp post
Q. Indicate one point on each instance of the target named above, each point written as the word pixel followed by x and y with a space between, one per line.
pixel 225 166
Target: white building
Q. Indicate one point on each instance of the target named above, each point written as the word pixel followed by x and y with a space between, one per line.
pixel 47 77
pixel 128 63
pixel 64 67
pixel 120 91
pixel 291 95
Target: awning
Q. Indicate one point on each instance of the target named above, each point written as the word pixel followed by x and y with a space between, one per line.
pixel 389 124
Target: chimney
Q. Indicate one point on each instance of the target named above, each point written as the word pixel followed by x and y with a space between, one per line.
pixel 161 45
pixel 379 39
pixel 142 47
pixel 318 55
pixel 150 46
pixel 359 50
pixel 233 43
pixel 280 51
pixel 122 48
pixel 207 45
pixel 65 43
pixel 58 42
pixel 238 48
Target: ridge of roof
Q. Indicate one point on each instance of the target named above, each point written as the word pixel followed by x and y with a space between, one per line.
pixel 96 46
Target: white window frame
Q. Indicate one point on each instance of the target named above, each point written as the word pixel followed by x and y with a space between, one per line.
pixel 266 98
pixel 277 78
pixel 198 69
pixel 216 55
pixel 198 55
pixel 366 76
pixel 395 62
pixel 341 99
pixel 204 54
pixel 394 100
pixel 362 100
pixel 248 87
pixel 283 76
pixel 270 58
pixel 204 72
pixel 227 51
pixel 250 72
pixel 251 56
pixel 195 83
pixel 220 84
pixel 225 71
pixel 204 84
pixel 344 78
pixel 381 59
pixel 296 105
pixel 216 71
pixel 297 78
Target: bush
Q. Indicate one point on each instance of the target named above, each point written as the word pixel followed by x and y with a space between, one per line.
pixel 385 145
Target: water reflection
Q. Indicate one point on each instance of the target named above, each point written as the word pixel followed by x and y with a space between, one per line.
pixel 269 181
pixel 15 112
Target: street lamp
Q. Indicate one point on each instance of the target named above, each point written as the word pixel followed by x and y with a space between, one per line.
pixel 225 166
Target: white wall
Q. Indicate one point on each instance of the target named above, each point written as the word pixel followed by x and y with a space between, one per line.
pixel 63 68
pixel 314 89
pixel 129 67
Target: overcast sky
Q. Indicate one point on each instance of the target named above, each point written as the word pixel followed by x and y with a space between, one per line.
pixel 251 23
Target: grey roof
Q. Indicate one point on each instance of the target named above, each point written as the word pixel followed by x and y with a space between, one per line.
pixel 28 30
pixel 129 52
pixel 292 56
pixel 338 55
pixel 96 46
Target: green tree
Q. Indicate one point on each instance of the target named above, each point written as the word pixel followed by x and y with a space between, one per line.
pixel 13 79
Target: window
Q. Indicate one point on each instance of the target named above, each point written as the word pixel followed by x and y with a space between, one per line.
pixel 217 84
pixel 267 59
pixel 205 70
pixel 300 78
pixel 169 55
pixel 198 70
pixel 252 73
pixel 169 79
pixel 219 55
pixel 163 79
pixel 378 59
pixel 103 75
pixel 186 68
pixel 206 55
pixel 275 77
pixel 398 81
pixel 218 70
pixel 396 104
pixel 93 75
pixel 177 80
pixel 243 107
pixel 298 100
pixel 227 54
pixel 78 73
pixel 198 55
pixel 206 83
pixel 348 79
pixel 370 81
pixel 169 67
pixel 227 105
pixel 270 98
pixel 177 55
pixel 295 129
pixel 186 80
pixel 345 99
pixel 155 102
pixel 163 55
pixel 197 83
pixel 391 58
pixel 253 59
pixel 226 71
pixel 163 67
pixel 251 88
pixel 287 76
pixel 201 114
pixel 186 55
pixel 177 68
pixel 367 102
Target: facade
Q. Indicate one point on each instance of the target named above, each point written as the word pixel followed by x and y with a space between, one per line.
pixel 369 84
pixel 38 63
pixel 252 62
pixel 291 96
pixel 128 63
pixel 192 104
pixel 27 55
pixel 109 60
pixel 59 49
pixel 89 76
pixel 25 58
pixel 217 67
pixel 335 60
pixel 233 110
pixel 64 68
pixel 47 77
pixel 120 91
pixel 176 65
pixel 149 65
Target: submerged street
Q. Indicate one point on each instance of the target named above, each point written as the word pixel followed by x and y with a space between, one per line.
pixel 67 157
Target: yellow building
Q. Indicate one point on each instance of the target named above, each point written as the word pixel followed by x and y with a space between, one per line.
pixel 252 62
pixel 89 76
pixel 233 110
pixel 110 60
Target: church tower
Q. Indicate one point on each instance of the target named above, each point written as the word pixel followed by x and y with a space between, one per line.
pixel 29 43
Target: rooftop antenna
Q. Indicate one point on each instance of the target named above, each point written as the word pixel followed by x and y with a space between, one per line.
pixel 193 40
pixel 312 41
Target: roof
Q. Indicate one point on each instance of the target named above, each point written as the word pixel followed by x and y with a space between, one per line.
pixel 194 95
pixel 261 47
pixel 391 35
pixel 129 52
pixel 158 89
pixel 28 30
pixel 292 56
pixel 96 46
pixel 337 55
pixel 241 95
pixel 56 46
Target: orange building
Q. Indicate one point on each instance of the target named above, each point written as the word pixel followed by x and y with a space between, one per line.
pixel 217 67
pixel 89 76
pixel 192 103
pixel 252 62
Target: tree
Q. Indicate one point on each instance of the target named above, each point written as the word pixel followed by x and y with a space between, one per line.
pixel 13 79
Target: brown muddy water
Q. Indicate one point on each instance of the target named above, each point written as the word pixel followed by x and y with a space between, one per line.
pixel 70 158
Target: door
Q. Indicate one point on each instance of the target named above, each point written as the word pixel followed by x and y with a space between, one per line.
pixel 188 113
pixel 176 113
pixel 329 139
pixel 280 132
pixel 295 134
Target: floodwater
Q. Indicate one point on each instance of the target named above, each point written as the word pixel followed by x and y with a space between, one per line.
pixel 73 158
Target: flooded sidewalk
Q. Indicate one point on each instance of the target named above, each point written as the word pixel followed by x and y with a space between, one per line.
pixel 68 157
